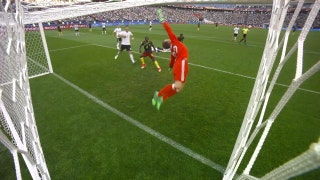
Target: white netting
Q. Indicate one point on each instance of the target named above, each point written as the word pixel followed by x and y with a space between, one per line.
pixel 262 89
pixel 38 60
pixel 305 162
pixel 18 131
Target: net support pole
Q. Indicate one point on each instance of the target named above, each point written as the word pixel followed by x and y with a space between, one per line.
pixel 307 161
pixel 45 46
pixel 16 164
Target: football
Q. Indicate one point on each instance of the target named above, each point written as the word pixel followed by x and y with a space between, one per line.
pixel 201 18
pixel 122 35
pixel 166 43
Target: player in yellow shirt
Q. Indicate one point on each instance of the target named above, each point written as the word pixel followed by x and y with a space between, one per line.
pixel 244 35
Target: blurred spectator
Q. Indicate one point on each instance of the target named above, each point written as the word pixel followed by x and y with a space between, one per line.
pixel 222 14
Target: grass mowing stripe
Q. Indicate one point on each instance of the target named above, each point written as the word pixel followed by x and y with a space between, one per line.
pixel 145 128
pixel 70 48
pixel 249 77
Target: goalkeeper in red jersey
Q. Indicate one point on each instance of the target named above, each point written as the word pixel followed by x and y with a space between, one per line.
pixel 178 63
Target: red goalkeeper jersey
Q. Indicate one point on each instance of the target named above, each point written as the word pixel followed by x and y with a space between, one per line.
pixel 179 51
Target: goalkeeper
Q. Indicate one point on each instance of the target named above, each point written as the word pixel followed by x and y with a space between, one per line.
pixel 178 62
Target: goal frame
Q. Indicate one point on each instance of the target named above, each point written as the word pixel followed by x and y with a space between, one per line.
pixel 255 110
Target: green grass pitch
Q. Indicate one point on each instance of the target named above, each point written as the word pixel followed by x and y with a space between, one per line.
pixel 96 121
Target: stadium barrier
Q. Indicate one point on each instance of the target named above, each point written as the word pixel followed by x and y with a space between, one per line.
pixel 85 24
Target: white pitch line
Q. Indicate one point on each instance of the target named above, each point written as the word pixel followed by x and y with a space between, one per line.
pixel 205 67
pixel 249 77
pixel 226 72
pixel 145 128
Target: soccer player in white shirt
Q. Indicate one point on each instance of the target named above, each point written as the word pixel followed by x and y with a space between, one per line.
pixel 150 26
pixel 125 43
pixel 116 31
pixel 104 29
pixel 235 32
pixel 76 30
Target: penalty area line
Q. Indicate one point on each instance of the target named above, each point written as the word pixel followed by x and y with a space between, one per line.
pixel 145 128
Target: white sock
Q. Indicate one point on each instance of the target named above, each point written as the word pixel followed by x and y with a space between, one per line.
pixel 131 57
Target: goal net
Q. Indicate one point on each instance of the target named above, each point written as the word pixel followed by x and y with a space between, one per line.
pixel 262 90
pixel 18 130
pixel 24 54
pixel 38 57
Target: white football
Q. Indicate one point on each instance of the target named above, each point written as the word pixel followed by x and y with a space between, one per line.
pixel 122 34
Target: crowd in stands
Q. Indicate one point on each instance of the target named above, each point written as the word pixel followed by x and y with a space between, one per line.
pixel 227 14
pixel 255 17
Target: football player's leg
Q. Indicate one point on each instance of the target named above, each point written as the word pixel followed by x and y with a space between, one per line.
pixel 143 64
pixel 171 89
pixel 155 62
pixel 180 72
pixel 168 91
pixel 178 86
pixel 120 51
pixel 130 54
pixel 118 44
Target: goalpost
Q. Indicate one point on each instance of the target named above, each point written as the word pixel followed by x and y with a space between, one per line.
pixel 22 55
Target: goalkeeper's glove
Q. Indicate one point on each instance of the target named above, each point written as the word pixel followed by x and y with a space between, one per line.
pixel 160 15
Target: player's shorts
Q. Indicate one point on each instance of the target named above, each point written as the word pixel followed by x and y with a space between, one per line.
pixel 76 30
pixel 235 35
pixel 180 70
pixel 244 35
pixel 119 39
pixel 59 30
pixel 125 47
pixel 149 54
pixel 103 29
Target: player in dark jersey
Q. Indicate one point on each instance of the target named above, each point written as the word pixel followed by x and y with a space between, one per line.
pixel 59 30
pixel 90 26
pixel 148 47
pixel 294 28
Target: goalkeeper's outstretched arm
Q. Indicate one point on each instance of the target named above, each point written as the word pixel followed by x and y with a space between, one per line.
pixel 166 26
pixel 160 15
